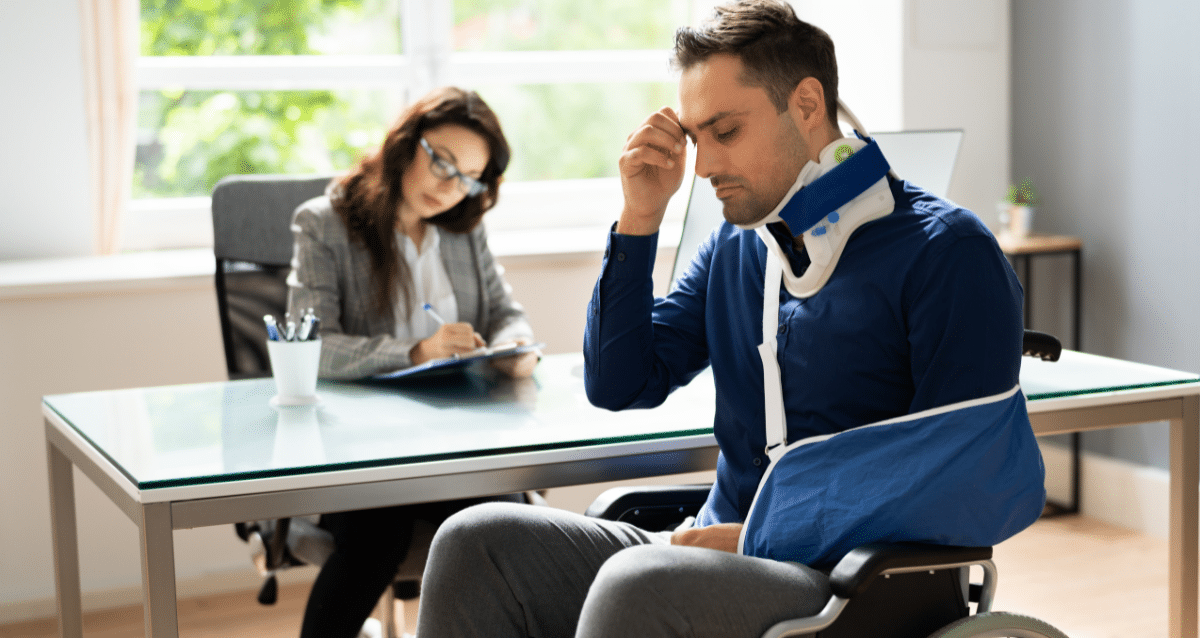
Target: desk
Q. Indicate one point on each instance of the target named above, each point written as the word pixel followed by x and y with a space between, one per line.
pixel 210 454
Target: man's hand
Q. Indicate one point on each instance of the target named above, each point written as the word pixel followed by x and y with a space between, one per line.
pixel 722 536
pixel 450 339
pixel 651 168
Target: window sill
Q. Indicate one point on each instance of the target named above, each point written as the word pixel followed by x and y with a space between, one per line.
pixel 193 267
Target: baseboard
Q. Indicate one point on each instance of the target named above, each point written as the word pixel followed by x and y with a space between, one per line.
pixel 1132 496
pixel 246 580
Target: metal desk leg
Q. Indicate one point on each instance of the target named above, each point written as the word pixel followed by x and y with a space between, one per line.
pixel 1184 533
pixel 1077 438
pixel 66 545
pixel 158 572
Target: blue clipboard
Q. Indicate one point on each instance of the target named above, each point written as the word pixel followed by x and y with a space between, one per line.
pixel 459 362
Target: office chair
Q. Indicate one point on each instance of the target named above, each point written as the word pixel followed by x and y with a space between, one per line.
pixel 924 590
pixel 252 243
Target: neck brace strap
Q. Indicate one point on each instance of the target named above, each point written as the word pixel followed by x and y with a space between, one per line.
pixel 837 178
pixel 835 188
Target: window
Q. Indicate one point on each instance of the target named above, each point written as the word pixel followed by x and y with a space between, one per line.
pixel 309 86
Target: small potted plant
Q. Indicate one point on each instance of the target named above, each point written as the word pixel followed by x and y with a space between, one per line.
pixel 1017 209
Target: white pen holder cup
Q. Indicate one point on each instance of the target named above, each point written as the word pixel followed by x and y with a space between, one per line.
pixel 294 365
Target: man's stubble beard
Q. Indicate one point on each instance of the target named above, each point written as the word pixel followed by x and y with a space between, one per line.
pixel 752 206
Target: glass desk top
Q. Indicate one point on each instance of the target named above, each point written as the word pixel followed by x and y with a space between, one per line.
pixel 1078 374
pixel 220 432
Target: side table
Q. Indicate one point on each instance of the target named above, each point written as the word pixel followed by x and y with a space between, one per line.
pixel 1021 251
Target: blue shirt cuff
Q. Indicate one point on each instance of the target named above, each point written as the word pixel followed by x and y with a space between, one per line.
pixel 629 256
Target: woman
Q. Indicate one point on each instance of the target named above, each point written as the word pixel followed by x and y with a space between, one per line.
pixel 399 231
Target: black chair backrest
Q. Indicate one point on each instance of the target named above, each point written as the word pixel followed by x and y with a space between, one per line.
pixel 252 243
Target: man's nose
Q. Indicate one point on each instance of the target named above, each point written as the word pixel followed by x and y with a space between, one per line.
pixel 708 163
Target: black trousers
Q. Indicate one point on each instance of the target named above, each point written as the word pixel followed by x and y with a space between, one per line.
pixel 369 546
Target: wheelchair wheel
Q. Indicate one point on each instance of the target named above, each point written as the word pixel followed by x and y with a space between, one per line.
pixel 998 624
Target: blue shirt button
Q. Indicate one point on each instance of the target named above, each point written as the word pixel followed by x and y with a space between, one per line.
pixel 757 461
pixel 620 256
pixel 782 328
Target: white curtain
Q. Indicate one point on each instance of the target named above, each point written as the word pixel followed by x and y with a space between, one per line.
pixel 110 48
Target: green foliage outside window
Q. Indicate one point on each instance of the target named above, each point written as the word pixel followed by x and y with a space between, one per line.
pixel 564 25
pixel 189 139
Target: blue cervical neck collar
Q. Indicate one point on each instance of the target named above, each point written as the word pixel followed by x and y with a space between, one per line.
pixel 835 188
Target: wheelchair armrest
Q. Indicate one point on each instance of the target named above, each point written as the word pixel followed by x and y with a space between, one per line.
pixel 857 569
pixel 1044 346
pixel 651 507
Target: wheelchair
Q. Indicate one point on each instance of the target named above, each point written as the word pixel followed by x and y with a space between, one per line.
pixel 897 590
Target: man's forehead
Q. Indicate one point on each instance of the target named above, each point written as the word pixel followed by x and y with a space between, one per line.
pixel 713 89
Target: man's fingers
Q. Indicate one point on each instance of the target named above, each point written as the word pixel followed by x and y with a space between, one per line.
pixel 641 157
pixel 648 134
pixel 667 120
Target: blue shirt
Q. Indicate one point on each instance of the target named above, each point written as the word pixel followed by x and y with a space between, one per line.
pixel 922 310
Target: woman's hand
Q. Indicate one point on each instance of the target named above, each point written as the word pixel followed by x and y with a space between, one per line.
pixel 449 340
pixel 518 366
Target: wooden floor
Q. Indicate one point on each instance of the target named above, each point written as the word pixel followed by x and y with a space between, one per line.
pixel 1089 579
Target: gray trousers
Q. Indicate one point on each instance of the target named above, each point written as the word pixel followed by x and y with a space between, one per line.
pixel 504 570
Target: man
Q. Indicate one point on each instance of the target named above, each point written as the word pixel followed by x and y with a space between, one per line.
pixel 883 307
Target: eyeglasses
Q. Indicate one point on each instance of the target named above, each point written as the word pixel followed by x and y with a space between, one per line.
pixel 443 169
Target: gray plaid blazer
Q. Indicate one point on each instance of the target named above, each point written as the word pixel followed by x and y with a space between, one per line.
pixel 332 275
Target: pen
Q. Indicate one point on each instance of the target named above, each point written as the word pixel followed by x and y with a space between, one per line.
pixel 435 315
pixel 272 329
pixel 305 327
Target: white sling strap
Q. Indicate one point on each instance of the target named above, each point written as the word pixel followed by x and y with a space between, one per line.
pixel 775 423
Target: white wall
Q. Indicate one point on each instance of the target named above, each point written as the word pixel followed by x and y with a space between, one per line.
pixel 45 210
pixel 956 75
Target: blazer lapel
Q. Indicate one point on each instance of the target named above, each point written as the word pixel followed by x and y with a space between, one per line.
pixel 361 303
pixel 460 266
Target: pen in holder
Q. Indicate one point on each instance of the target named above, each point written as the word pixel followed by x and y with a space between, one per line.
pixel 294 365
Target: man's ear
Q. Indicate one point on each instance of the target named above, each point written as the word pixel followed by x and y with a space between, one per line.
pixel 807 105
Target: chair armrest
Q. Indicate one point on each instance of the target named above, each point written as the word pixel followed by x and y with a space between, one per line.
pixel 857 569
pixel 651 507
pixel 1041 345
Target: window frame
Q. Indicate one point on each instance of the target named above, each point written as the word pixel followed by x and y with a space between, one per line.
pixel 428 61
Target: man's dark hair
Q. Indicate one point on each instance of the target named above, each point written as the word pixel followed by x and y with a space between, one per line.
pixel 777 48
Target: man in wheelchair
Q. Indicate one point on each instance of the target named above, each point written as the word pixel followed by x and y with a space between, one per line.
pixel 865 341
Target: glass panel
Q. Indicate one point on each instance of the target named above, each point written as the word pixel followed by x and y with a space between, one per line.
pixel 187 140
pixel 281 27
pixel 1077 373
pixel 561 25
pixel 206 433
pixel 571 131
